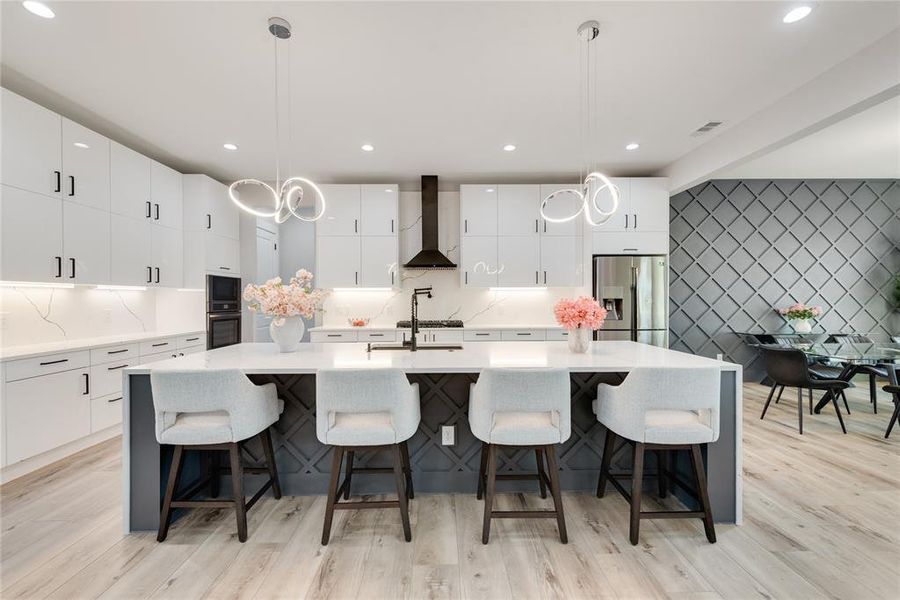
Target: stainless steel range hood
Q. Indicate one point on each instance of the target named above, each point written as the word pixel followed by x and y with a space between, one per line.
pixel 430 257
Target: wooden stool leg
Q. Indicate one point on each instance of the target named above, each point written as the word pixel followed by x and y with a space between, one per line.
pixel 401 491
pixel 550 453
pixel 637 480
pixel 337 457
pixel 489 493
pixel 237 487
pixel 348 471
pixel 482 470
pixel 703 492
pixel 165 517
pixel 768 400
pixel 661 473
pixel 407 470
pixel 539 459
pixel 608 445
pixel 269 451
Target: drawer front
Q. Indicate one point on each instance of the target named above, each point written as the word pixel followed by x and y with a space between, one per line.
pixel 493 335
pixel 106 412
pixel 106 379
pixel 632 242
pixel 557 335
pixel 114 353
pixel 147 359
pixel 190 341
pixel 440 336
pixel 159 345
pixel 191 350
pixel 377 336
pixel 524 335
pixel 333 336
pixel 46 364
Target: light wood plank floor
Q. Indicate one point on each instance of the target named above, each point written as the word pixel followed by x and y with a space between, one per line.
pixel 821 521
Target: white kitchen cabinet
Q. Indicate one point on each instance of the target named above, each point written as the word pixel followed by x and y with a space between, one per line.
pixel 478 210
pixel 562 261
pixel 377 335
pixel 484 335
pixel 165 195
pixel 207 207
pixel 155 357
pixel 478 262
pixel 337 261
pixel 561 206
pixel 557 335
pixel 31 236
pixel 167 256
pixel 621 220
pixel 342 211
pixel 649 204
pixel 631 242
pixel 129 175
pixel 106 378
pixel 519 261
pixel 31 138
pixel 86 233
pixel 266 255
pixel 130 254
pixel 333 336
pixel 106 412
pixel 45 412
pixel 378 261
pixel 523 335
pixel 85 159
pixel 439 336
pixel 378 209
pixel 222 255
pixel 518 210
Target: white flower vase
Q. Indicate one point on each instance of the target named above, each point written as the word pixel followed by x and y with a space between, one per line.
pixel 287 333
pixel 801 325
pixel 580 340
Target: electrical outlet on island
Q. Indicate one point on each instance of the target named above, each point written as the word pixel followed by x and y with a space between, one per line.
pixel 448 435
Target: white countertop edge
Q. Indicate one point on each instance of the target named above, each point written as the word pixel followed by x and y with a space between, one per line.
pixel 32 350
pixel 464 328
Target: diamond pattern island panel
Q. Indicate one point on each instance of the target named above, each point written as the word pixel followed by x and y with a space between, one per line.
pixel 740 249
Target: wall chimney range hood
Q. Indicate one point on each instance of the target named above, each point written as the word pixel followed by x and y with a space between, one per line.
pixel 430 257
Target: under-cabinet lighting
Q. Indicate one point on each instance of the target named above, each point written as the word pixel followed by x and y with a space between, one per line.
pixel 632 146
pixel 125 288
pixel 509 147
pixel 38 8
pixel 190 290
pixel 363 289
pixel 36 284
pixel 230 146
pixel 538 288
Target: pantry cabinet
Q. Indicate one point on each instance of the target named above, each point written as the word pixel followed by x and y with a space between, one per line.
pixel 31 139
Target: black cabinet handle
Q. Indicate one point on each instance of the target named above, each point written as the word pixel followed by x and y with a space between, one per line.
pixel 465 226
pixel 626 221
pixel 392 226
pixel 149 274
pixel 58 266
pixel 54 362
pixel 58 181
pixel 356 278
pixel 157 274
pixel 111 400
pixel 545 226
pixel 523 334
pixel 159 344
pixel 466 273
pixel 156 218
pixel 535 278
pixel 115 368
pixel 71 185
pixel 355 226
pixel 149 210
pixel 192 339
pixel 225 268
pixel 117 351
pixel 481 334
pixel 629 249
pixel 545 277
pixel 635 220
pixel 535 225
pixel 376 335
pixel 72 264
pixel 332 335
pixel 209 221
pixel 87 384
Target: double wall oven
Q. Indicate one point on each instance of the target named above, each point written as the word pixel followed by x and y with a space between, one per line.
pixel 223 311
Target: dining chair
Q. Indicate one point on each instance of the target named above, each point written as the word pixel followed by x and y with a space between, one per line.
pixel 873 371
pixel 894 390
pixel 787 367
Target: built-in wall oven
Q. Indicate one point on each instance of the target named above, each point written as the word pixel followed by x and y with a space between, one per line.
pixel 223 311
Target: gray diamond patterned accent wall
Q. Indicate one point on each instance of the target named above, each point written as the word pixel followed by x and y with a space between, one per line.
pixel 740 248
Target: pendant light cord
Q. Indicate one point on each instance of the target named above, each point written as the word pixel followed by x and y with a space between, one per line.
pixel 277 128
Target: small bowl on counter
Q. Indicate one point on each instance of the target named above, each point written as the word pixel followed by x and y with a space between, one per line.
pixel 357 322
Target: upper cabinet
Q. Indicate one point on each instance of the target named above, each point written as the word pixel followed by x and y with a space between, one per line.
pixel 649 204
pixel 342 210
pixel 30 236
pixel 378 209
pixel 85 159
pixel 31 139
pixel 478 210
pixel 129 174
pixel 207 207
pixel 562 205
pixel 165 195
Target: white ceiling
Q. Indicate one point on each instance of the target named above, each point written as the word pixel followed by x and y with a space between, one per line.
pixel 866 145
pixel 437 87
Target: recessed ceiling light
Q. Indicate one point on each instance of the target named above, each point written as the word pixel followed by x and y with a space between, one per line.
pixel 367 147
pixel 489 190
pixel 632 146
pixel 38 8
pixel 80 145
pixel 795 14
pixel 230 146
pixel 509 147
pixel 388 190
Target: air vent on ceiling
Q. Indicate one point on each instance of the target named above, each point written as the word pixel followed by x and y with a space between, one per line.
pixel 706 128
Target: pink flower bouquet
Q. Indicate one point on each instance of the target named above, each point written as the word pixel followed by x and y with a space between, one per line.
pixel 275 299
pixel 583 312
pixel 800 311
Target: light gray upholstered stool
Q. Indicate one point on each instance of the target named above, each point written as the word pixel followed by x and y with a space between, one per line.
pixel 213 410
pixel 523 408
pixel 366 409
pixel 661 409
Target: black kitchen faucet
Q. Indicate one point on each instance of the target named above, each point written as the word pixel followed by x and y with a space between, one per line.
pixel 414 314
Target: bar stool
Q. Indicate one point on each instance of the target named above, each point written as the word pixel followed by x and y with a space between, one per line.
pixel 660 409
pixel 366 409
pixel 213 410
pixel 524 408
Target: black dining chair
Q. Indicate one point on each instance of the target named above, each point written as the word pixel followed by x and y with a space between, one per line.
pixel 873 371
pixel 895 391
pixel 787 367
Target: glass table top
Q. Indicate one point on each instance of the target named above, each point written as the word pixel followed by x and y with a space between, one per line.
pixel 870 352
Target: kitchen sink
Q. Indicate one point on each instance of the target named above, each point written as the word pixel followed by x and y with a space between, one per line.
pixel 450 347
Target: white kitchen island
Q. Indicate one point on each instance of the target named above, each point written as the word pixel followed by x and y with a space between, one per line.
pixel 444 377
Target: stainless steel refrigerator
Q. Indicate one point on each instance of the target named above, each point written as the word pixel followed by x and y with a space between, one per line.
pixel 634 290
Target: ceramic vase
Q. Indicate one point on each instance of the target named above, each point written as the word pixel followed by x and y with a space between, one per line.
pixel 288 334
pixel 801 325
pixel 580 340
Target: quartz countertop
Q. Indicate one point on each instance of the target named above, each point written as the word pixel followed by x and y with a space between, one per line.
pixel 608 356
pixel 467 327
pixel 30 350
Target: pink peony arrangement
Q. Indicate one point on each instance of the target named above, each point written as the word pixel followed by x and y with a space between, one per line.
pixel 275 299
pixel 579 312
pixel 800 311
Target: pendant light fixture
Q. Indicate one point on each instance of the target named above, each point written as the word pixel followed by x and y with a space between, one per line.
pixel 286 196
pixel 594 184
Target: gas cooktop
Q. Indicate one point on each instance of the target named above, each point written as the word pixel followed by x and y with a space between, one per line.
pixel 425 324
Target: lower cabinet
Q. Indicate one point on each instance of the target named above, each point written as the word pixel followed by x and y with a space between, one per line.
pixel 106 411
pixel 45 412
